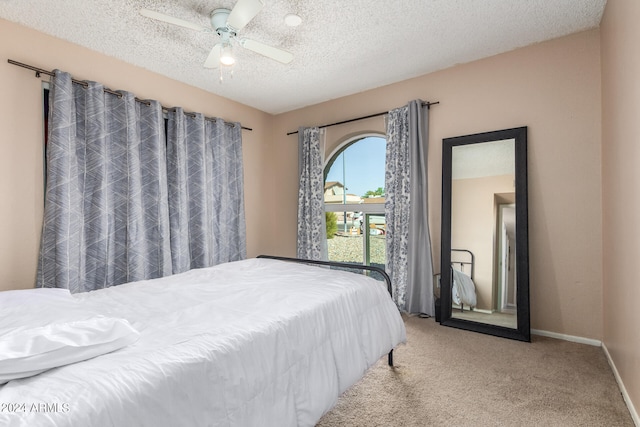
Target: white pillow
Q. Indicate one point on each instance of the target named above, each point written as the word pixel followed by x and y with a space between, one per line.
pixel 41 329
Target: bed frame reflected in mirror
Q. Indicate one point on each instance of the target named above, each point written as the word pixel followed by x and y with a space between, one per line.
pixel 484 280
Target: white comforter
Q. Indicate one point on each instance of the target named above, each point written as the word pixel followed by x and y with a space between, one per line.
pixel 250 343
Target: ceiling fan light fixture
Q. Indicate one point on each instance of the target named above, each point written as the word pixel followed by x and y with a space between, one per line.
pixel 227 24
pixel 226 55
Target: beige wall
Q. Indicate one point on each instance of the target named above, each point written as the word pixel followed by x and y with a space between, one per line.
pixel 620 34
pixel 554 89
pixel 21 182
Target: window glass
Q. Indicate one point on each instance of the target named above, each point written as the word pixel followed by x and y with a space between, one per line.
pixel 354 201
pixel 356 172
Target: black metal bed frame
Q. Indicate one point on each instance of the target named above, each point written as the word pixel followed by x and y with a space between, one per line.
pixel 383 273
pixel 463 263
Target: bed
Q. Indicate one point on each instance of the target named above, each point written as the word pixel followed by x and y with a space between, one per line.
pixel 259 342
pixel 463 289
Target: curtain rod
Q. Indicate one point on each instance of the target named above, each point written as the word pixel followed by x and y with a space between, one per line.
pixel 112 92
pixel 424 104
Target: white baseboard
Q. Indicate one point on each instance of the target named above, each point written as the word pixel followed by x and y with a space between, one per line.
pixel 572 338
pixel 466 308
pixel 623 390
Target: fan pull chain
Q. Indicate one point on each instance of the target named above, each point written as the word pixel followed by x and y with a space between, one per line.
pixel 222 73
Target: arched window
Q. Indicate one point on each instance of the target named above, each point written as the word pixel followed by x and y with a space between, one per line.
pixel 354 201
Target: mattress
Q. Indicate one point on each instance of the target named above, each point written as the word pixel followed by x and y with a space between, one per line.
pixel 258 342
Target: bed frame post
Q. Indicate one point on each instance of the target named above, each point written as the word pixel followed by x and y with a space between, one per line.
pixel 383 273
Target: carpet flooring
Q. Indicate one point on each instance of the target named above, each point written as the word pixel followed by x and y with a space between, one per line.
pixel 445 376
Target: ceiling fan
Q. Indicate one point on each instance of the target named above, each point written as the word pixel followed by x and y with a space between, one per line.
pixel 227 23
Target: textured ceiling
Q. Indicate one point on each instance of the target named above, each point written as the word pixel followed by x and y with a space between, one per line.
pixel 492 158
pixel 341 47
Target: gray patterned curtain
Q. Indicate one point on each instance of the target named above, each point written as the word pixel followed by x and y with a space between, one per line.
pixel 107 215
pixel 206 195
pixel 312 236
pixel 409 262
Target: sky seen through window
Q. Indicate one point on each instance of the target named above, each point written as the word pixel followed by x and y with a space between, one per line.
pixel 360 167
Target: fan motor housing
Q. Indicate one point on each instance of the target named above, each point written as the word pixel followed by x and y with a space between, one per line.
pixel 219 22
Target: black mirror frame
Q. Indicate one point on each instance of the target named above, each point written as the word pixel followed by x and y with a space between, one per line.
pixel 523 331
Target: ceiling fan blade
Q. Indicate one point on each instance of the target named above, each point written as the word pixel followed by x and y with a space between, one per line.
pixel 172 20
pixel 266 50
pixel 213 60
pixel 243 12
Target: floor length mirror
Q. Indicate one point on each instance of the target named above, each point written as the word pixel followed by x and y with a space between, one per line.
pixel 484 273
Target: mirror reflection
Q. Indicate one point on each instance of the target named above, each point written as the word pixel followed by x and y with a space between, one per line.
pixel 483 268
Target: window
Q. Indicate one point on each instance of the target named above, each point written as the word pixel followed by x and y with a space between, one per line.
pixel 354 201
